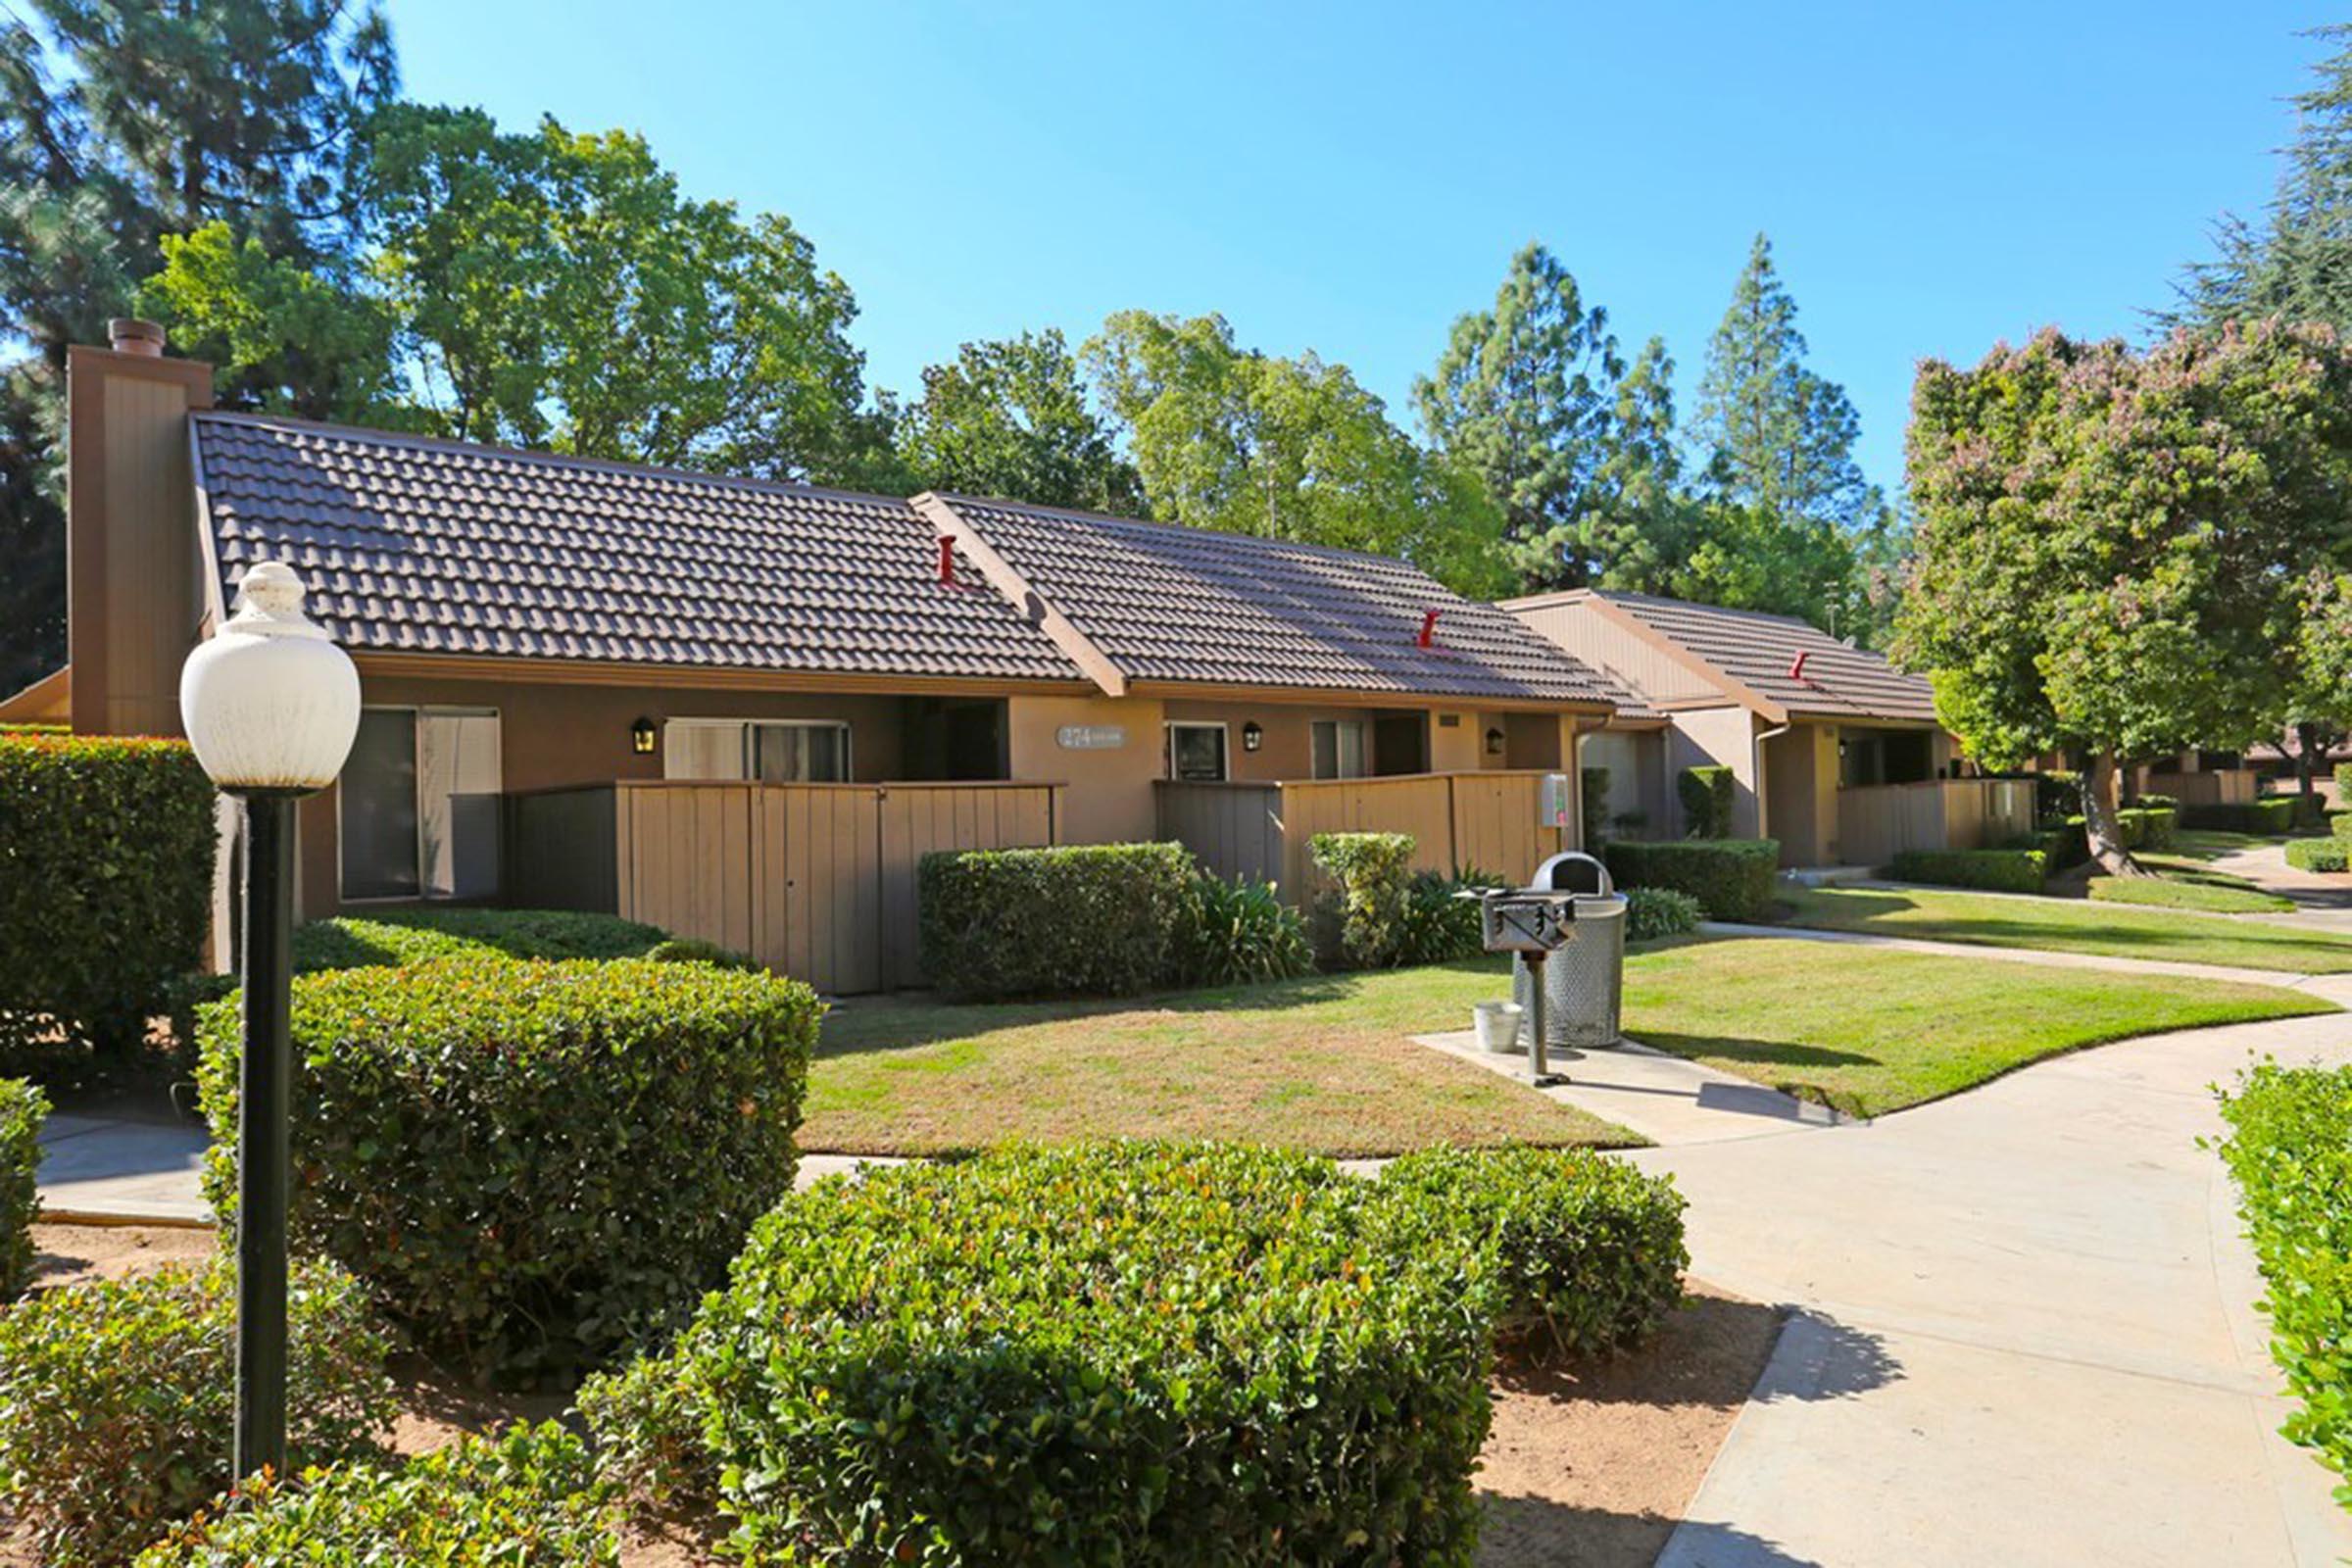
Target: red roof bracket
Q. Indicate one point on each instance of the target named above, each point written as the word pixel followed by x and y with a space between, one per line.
pixel 946 562
pixel 1429 629
pixel 1796 665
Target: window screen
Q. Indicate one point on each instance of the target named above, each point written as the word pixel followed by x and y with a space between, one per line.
pixel 1338 747
pixel 800 753
pixel 457 803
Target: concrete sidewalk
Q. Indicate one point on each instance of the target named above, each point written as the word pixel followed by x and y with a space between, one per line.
pixel 123 1168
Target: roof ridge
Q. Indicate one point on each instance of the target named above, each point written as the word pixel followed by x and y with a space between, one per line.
pixel 1622 596
pixel 417 441
pixel 954 497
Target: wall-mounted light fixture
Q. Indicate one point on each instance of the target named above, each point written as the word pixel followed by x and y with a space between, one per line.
pixel 1841 751
pixel 1494 742
pixel 641 737
pixel 1253 735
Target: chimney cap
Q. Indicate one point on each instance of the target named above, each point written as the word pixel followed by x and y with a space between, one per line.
pixel 129 334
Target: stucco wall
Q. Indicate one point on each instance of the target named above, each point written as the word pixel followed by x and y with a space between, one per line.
pixel 1801 794
pixel 1109 800
pixel 1713 737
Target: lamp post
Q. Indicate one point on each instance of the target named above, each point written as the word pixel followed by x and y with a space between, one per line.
pixel 272 706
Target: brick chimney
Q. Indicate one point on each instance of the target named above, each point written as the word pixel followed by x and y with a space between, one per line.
pixel 137 588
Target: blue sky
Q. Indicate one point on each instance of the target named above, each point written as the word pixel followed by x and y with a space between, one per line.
pixel 1350 178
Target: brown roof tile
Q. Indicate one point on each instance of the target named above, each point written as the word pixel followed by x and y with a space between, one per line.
pixel 439 546
pixel 1758 650
pixel 1190 605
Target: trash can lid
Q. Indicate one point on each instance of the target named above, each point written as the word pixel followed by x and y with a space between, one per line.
pixel 1574 871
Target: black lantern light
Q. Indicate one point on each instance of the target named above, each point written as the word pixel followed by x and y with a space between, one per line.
pixel 1253 735
pixel 1494 742
pixel 641 737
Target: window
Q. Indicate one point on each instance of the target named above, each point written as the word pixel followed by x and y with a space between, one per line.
pixel 1339 747
pixel 417 804
pixel 1196 753
pixel 777 752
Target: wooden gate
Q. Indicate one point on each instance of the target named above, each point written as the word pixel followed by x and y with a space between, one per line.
pixel 817 881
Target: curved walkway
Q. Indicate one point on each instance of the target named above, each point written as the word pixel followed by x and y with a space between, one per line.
pixel 2025 1331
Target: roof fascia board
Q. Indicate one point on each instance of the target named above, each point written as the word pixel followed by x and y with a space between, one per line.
pixel 1018 591
pixel 1740 691
pixel 216 611
pixel 1364 697
pixel 389 665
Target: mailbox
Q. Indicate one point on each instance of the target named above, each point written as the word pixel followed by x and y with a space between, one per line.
pixel 1555 801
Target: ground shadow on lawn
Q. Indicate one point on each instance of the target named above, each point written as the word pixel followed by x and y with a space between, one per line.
pixel 904 1019
pixel 1880 913
pixel 1762 1052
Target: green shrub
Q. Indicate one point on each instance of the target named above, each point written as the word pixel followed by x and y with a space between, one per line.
pixel 115 1399
pixel 2000 870
pixel 1730 878
pixel 2057 798
pixel 1098 919
pixel 1582 1246
pixel 696 950
pixel 1707 794
pixel 2266 818
pixel 532 1164
pixel 1594 795
pixel 1651 913
pixel 2061 849
pixel 1371 876
pixel 22 1110
pixel 2339 823
pixel 2318 854
pixel 106 882
pixel 401 937
pixel 1438 925
pixel 2139 827
pixel 2290 1150
pixel 2344 784
pixel 1240 933
pixel 1089 1356
pixel 528 1495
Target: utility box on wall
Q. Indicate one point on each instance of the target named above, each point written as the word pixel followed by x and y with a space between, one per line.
pixel 1555 801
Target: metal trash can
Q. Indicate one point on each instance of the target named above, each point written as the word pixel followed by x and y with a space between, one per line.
pixel 1583 982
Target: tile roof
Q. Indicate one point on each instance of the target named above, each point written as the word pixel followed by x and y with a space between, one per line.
pixel 1758 650
pixel 422 546
pixel 1168 604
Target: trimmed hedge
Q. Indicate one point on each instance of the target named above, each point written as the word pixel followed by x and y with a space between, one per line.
pixel 1086 1355
pixel 1371 877
pixel 115 1399
pixel 2318 854
pixel 1730 878
pixel 1099 919
pixel 1240 933
pixel 2142 827
pixel 401 937
pixel 2290 1150
pixel 2344 784
pixel 527 1495
pixel 1707 794
pixel 106 878
pixel 2000 870
pixel 2263 819
pixel 22 1110
pixel 2339 823
pixel 698 950
pixel 1438 925
pixel 1583 1248
pixel 532 1165
pixel 1651 913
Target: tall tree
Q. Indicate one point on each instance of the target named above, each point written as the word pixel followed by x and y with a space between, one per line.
pixel 2113 546
pixel 1231 438
pixel 121 123
pixel 545 289
pixel 1522 396
pixel 1012 418
pixel 2296 260
pixel 1779 437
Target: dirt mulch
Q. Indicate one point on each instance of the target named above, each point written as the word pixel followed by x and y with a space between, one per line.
pixel 1591 1461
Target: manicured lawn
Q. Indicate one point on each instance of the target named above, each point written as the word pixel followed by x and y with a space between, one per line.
pixel 2068 926
pixel 2185 882
pixel 1323 1063
pixel 1871 1031
pixel 1327 1065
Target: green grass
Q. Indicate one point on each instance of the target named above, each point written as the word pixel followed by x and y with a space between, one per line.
pixel 1326 1063
pixel 1870 1031
pixel 2069 925
pixel 2185 882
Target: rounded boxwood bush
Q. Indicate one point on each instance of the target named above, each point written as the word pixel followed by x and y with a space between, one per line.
pixel 115 1399
pixel 528 1495
pixel 1581 1246
pixel 23 1110
pixel 1080 919
pixel 1089 1356
pixel 532 1164
pixel 1651 913
pixel 2318 854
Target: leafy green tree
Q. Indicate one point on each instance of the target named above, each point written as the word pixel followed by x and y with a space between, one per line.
pixel 1523 397
pixel 2296 260
pixel 2112 546
pixel 121 123
pixel 1233 439
pixel 1012 419
pixel 546 289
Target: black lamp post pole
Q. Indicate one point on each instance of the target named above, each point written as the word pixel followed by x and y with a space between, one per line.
pixel 262 1122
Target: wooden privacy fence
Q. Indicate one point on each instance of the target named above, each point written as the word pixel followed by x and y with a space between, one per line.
pixel 2229 786
pixel 1457 820
pixel 817 881
pixel 1878 821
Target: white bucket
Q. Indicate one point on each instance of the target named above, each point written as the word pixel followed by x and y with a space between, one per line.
pixel 1497 1025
